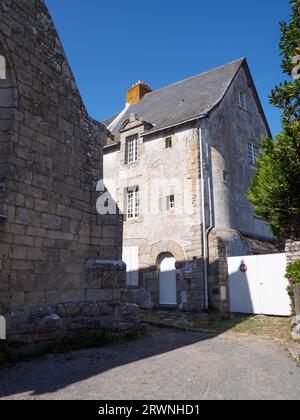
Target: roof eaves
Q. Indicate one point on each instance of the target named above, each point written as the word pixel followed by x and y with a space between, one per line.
pixel 112 145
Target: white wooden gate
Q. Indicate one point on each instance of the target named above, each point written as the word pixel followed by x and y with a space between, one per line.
pixel 257 285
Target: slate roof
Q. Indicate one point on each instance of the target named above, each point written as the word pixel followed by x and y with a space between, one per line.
pixel 109 120
pixel 188 99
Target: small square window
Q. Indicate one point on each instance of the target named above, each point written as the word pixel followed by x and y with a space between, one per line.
pixel 226 177
pixel 171 202
pixel 242 100
pixel 169 143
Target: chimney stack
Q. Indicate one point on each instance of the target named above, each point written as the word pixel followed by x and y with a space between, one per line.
pixel 137 92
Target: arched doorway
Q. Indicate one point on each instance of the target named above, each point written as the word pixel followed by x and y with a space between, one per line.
pixel 167 280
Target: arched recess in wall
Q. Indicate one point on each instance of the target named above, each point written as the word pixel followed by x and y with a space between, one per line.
pixel 8 109
pixel 164 247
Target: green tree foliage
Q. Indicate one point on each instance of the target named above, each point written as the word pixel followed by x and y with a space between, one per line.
pixel 275 190
pixel 286 96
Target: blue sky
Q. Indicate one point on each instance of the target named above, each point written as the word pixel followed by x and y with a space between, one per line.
pixel 112 43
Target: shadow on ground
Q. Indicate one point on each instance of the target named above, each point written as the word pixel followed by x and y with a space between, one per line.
pixel 48 380
pixel 50 376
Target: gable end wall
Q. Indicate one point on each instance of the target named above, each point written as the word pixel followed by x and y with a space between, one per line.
pixel 57 255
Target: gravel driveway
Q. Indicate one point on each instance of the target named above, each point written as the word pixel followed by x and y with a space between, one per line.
pixel 166 365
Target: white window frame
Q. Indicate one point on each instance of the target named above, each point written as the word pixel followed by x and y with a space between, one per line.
pixel 242 99
pixel 133 203
pixel 132 149
pixel 253 153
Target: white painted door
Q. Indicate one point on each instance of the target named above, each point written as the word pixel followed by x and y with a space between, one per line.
pixel 131 259
pixel 257 285
pixel 167 281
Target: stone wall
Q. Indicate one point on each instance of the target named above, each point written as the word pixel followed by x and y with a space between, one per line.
pixel 228 131
pixel 292 249
pixel 189 286
pixel 57 255
pixel 158 230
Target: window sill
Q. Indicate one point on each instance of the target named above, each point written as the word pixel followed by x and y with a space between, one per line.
pixel 244 110
pixel 134 221
pixel 132 164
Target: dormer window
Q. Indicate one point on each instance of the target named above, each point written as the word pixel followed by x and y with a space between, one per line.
pixel 242 100
pixel 169 143
pixel 132 149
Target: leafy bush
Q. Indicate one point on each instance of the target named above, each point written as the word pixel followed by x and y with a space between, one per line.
pixel 293 276
pixel 293 272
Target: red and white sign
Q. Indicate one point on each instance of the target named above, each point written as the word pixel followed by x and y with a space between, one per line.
pixel 243 268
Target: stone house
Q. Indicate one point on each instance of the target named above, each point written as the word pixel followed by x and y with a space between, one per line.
pixel 179 161
pixel 61 268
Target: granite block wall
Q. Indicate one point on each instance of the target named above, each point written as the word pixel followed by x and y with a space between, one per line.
pixel 56 253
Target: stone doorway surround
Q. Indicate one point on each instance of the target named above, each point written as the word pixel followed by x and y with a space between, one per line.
pixel 165 247
pixel 189 279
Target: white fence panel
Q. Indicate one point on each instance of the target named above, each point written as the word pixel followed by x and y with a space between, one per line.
pixel 257 285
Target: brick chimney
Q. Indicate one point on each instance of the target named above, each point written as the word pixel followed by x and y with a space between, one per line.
pixel 137 92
